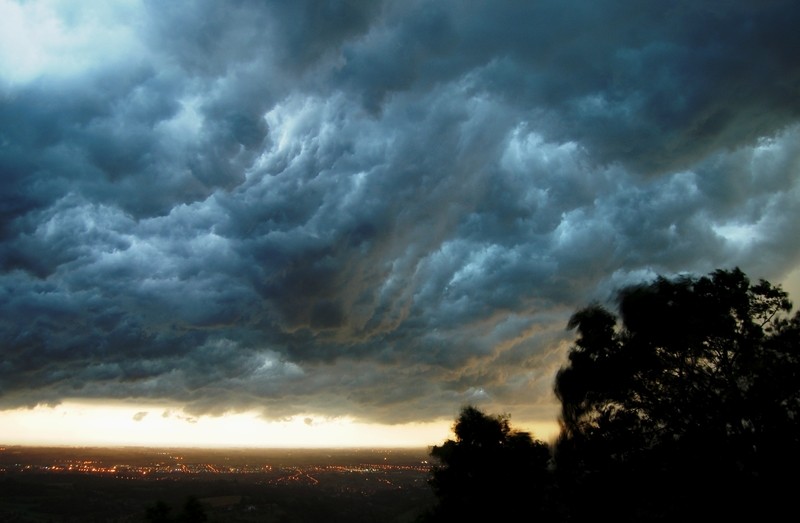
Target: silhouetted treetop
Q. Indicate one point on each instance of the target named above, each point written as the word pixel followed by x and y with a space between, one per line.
pixel 694 391
pixel 489 471
pixel 683 404
pixel 193 512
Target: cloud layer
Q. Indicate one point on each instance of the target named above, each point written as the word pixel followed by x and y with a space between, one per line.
pixel 376 209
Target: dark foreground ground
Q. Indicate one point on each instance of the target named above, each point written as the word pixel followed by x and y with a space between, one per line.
pixel 85 485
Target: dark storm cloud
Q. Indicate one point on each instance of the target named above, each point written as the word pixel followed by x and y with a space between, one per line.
pixel 653 84
pixel 378 209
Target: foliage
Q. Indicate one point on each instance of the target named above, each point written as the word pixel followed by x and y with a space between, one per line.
pixel 193 512
pixel 489 471
pixel 683 406
pixel 158 512
pixel 687 410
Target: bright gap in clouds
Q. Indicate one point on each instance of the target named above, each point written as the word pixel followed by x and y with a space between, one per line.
pixel 63 39
pixel 76 423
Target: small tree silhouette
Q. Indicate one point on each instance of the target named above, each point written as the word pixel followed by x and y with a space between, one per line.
pixel 193 512
pixel 158 512
pixel 489 471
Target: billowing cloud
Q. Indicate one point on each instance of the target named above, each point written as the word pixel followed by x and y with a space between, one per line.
pixel 382 210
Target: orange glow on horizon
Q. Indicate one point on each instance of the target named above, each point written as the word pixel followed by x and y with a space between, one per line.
pixel 75 423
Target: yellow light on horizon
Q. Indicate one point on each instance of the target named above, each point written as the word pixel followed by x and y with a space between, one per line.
pixel 82 423
pixel 75 423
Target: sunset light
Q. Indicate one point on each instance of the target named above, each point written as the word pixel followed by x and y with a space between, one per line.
pixel 90 424
pixel 76 423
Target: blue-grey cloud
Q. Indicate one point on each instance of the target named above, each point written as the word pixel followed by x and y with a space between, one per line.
pixel 382 209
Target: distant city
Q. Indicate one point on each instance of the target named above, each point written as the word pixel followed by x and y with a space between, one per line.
pixel 231 483
pixel 272 466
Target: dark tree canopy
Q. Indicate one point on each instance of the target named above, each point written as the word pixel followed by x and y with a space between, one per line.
pixel 684 406
pixel 489 472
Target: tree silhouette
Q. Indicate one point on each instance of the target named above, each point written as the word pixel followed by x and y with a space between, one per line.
pixel 159 512
pixel 193 512
pixel 489 472
pixel 689 409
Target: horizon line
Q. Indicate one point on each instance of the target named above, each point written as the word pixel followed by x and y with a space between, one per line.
pixel 4 446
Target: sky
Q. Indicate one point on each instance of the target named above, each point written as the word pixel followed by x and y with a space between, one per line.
pixel 336 223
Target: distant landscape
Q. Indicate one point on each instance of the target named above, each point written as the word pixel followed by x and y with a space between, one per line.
pixel 44 484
